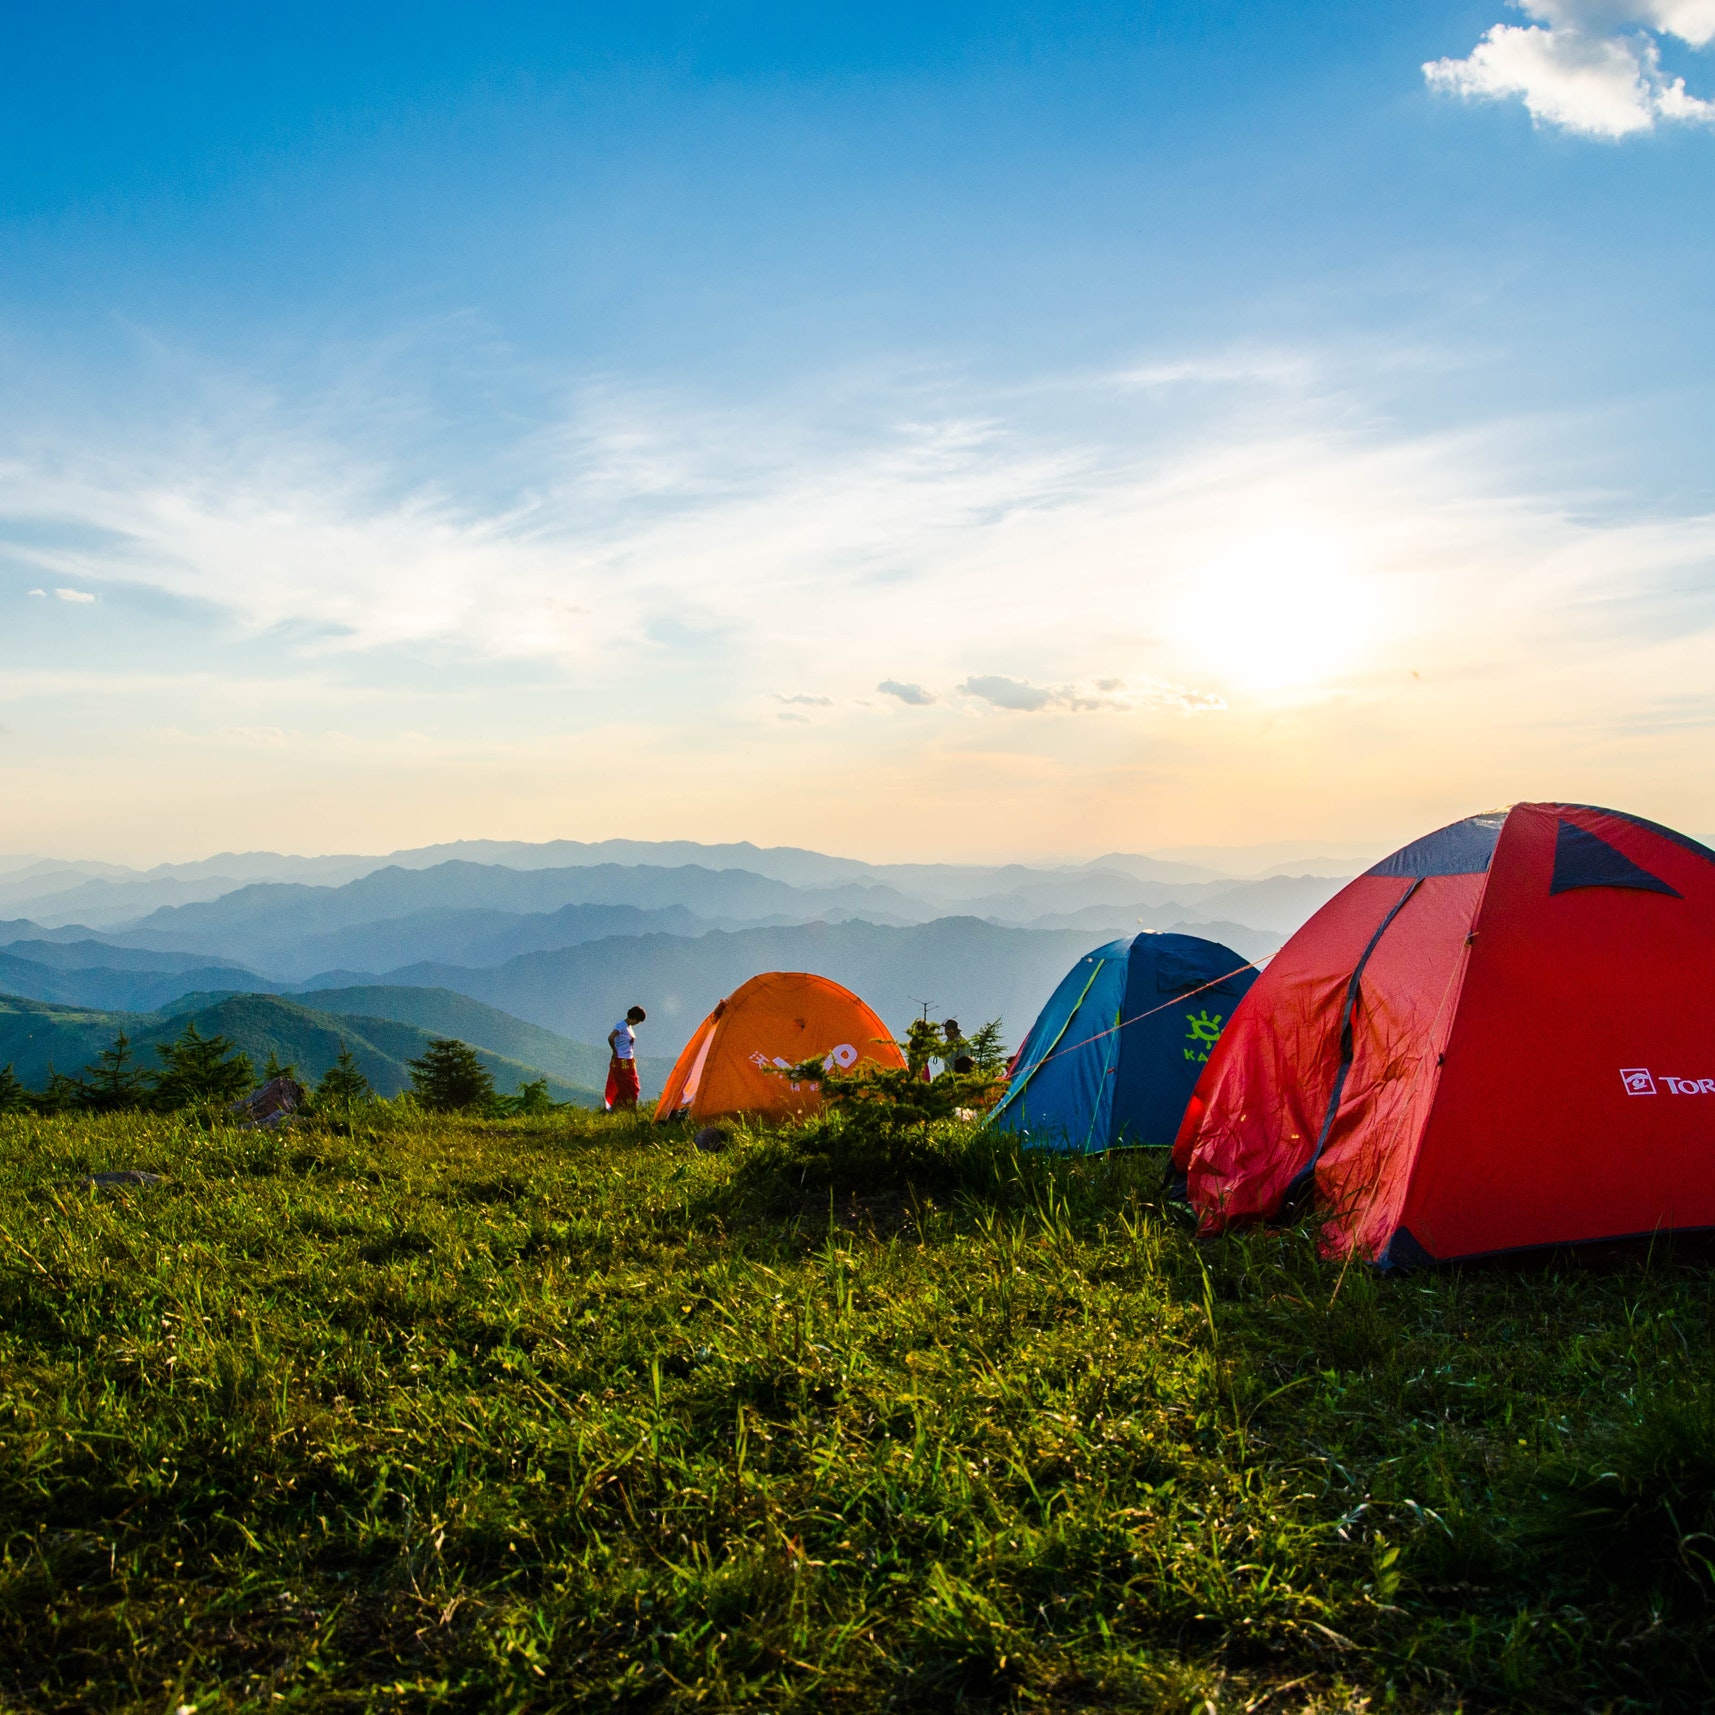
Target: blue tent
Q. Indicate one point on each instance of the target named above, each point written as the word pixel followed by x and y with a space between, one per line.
pixel 1114 1056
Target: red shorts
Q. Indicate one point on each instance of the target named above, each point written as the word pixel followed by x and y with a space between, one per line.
pixel 623 1088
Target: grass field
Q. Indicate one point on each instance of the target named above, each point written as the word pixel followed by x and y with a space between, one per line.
pixel 535 1415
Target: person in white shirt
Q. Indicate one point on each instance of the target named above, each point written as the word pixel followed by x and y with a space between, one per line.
pixel 623 1087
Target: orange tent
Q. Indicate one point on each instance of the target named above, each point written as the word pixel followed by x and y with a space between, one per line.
pixel 733 1062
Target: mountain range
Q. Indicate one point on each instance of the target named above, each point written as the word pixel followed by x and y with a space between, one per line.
pixel 53 893
pixel 560 937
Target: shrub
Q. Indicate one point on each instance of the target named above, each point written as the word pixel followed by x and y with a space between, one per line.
pixel 986 1051
pixel 61 1094
pixel 887 1127
pixel 114 1081
pixel 449 1078
pixel 343 1083
pixel 275 1070
pixel 201 1071
pixel 891 1106
pixel 529 1100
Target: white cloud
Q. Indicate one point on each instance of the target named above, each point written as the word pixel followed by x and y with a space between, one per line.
pixel 1009 693
pixel 42 593
pixel 812 702
pixel 1692 21
pixel 915 695
pixel 1589 66
pixel 74 595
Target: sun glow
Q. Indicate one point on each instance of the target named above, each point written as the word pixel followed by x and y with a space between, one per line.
pixel 1281 610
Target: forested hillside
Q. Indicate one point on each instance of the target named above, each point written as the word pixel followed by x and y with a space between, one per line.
pixel 37 1037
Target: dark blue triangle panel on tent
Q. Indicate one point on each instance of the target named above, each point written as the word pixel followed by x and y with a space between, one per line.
pixel 1584 859
pixel 1113 1057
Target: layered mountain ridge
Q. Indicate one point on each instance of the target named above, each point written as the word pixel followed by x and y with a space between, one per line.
pixel 562 936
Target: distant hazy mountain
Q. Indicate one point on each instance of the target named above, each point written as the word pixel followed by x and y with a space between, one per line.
pixel 1038 897
pixel 114 989
pixel 103 904
pixel 1103 923
pixel 86 953
pixel 1143 868
pixel 1274 857
pixel 465 913
pixel 54 893
pixel 470 937
pixel 106 896
pixel 790 864
pixel 512 929
pixel 101 895
pixel 263 923
pixel 961 967
pixel 950 962
pixel 1262 912
pixel 1281 903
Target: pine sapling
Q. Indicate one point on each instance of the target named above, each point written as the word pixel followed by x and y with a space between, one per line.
pixel 449 1078
pixel 343 1084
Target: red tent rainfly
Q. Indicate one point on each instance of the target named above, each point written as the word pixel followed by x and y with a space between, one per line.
pixel 1503 1036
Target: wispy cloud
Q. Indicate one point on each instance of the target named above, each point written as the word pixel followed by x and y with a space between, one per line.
pixel 929 535
pixel 1589 66
pixel 1039 598
pixel 1020 696
pixel 74 595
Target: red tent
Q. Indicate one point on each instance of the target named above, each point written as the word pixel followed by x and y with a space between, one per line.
pixel 1502 1036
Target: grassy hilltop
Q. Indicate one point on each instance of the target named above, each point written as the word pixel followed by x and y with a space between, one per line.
pixel 566 1413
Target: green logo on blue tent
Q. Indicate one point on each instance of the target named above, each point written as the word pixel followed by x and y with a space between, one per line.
pixel 1204 1033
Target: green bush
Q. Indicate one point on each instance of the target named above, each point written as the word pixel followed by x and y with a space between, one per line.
pixel 451 1078
pixel 343 1084
pixel 200 1071
pixel 115 1081
pixel 885 1127
pixel 528 1101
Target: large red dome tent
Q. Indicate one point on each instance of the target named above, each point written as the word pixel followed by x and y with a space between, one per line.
pixel 1501 1037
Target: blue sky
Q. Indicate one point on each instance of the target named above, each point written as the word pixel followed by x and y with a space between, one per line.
pixel 528 421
